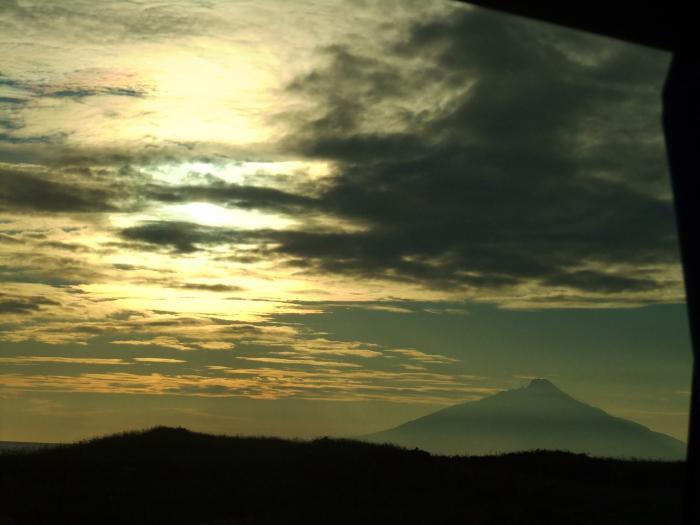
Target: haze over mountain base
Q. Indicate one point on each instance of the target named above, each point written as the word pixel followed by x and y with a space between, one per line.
pixel 539 416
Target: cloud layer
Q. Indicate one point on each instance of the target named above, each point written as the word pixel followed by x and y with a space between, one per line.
pixel 228 168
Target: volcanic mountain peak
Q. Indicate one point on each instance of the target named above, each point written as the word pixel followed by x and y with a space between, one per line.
pixel 537 416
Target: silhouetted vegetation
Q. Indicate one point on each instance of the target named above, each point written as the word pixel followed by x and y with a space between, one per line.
pixel 168 475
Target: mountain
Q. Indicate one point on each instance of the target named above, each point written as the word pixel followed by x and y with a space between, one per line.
pixel 538 416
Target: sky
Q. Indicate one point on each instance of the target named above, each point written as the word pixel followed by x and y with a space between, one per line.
pixel 326 217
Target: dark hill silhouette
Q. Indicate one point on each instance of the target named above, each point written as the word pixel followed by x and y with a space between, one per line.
pixel 168 475
pixel 538 416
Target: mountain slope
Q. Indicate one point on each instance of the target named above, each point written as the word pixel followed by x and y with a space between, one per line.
pixel 539 416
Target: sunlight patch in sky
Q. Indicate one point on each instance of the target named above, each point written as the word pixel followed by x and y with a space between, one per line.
pixel 213 215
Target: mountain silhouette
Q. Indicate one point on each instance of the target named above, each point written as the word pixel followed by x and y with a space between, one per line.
pixel 176 476
pixel 538 416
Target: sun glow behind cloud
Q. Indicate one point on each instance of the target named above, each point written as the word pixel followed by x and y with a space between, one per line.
pixel 201 95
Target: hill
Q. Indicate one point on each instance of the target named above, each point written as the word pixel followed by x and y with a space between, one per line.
pixel 538 416
pixel 168 475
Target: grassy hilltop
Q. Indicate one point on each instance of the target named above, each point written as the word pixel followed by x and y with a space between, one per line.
pixel 167 475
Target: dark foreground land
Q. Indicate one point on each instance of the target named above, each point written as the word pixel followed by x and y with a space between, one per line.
pixel 170 475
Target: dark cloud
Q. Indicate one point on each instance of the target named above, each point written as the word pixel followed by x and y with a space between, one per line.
pixel 41 267
pixel 81 93
pixel 7 81
pixel 65 246
pixel 35 139
pixel 12 101
pixel 125 267
pixel 10 239
pixel 364 81
pixel 211 287
pixel 25 92
pixel 26 192
pixel 11 123
pixel 543 165
pixel 22 305
pixel 235 195
pixel 594 281
pixel 183 237
pixel 550 162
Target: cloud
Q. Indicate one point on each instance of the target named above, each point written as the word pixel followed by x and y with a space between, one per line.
pixel 116 22
pixel 158 360
pixel 498 187
pixel 406 386
pixel 423 357
pixel 453 155
pixel 23 91
pixel 211 287
pixel 447 311
pixel 216 345
pixel 183 237
pixel 21 191
pixel 519 178
pixel 515 179
pixel 468 157
pixel 23 305
pixel 78 93
pixel 26 106
pixel 388 308
pixel 9 239
pixel 235 195
pixel 305 362
pixel 600 282
pixel 29 360
pixel 162 341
